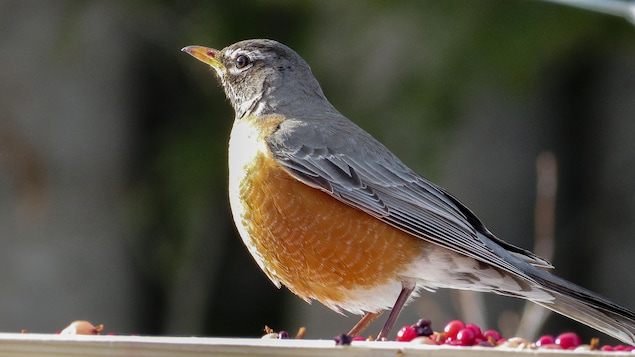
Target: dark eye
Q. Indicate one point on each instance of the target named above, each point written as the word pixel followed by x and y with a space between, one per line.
pixel 242 61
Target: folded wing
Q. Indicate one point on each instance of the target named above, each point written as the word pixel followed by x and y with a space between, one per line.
pixel 361 172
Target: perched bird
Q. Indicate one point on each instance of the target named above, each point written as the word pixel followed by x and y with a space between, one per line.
pixel 328 211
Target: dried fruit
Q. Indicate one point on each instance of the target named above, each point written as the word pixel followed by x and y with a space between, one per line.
pixel 516 342
pixel 423 327
pixel 301 333
pixel 269 333
pixel 343 339
pixel 423 322
pixel 423 340
pixel 82 327
pixel 551 346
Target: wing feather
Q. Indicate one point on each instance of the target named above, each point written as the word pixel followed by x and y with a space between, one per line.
pixel 361 172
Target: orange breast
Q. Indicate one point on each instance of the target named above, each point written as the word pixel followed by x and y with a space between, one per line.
pixel 317 246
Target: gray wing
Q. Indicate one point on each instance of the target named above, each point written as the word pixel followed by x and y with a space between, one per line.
pixel 361 172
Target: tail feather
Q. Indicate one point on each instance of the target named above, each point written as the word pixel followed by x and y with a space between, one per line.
pixel 568 299
pixel 587 307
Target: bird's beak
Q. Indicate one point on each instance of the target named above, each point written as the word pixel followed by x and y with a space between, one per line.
pixel 205 55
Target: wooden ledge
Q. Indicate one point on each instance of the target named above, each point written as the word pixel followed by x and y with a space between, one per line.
pixel 31 344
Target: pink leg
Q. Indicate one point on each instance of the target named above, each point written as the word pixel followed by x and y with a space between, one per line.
pixel 363 323
pixel 396 310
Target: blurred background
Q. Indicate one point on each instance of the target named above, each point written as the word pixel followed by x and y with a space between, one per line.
pixel 113 175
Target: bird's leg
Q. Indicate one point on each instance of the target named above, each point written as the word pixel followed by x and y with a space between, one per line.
pixel 364 322
pixel 406 290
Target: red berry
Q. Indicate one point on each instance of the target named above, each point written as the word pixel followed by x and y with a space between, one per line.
pixel 623 348
pixel 545 340
pixel 406 334
pixel 606 348
pixel 568 340
pixel 495 335
pixel 359 338
pixel 478 334
pixel 465 337
pixel 452 328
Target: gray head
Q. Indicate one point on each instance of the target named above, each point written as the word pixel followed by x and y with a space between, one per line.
pixel 263 77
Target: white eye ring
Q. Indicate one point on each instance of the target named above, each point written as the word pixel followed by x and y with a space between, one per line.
pixel 242 61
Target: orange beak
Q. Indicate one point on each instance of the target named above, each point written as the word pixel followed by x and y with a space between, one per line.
pixel 205 55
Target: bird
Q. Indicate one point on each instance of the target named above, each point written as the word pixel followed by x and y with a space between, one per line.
pixel 329 212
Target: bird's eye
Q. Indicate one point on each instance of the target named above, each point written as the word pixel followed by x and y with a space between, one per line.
pixel 242 61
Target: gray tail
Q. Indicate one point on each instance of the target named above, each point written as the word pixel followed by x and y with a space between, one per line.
pixel 568 299
pixel 587 307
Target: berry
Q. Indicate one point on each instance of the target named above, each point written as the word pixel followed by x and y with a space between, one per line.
pixel 343 339
pixel 478 334
pixel 423 330
pixel 452 328
pixel 568 339
pixel 81 327
pixel 545 340
pixel 283 335
pixel 465 337
pixel 423 327
pixel 406 334
pixel 423 323
pixel 492 335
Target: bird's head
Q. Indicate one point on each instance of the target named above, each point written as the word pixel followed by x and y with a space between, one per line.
pixel 263 77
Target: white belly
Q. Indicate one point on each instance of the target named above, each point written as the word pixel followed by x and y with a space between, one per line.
pixel 244 145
